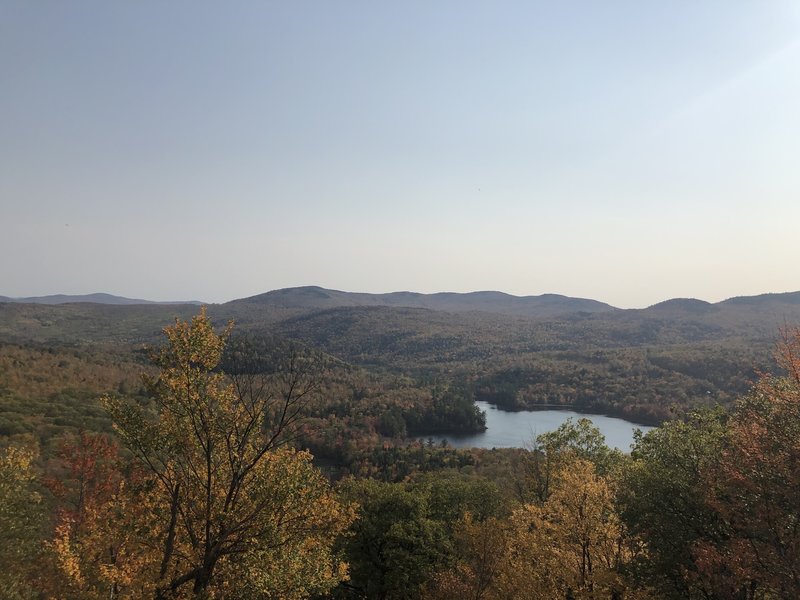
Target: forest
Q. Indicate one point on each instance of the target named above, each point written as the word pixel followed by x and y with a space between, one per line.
pixel 235 460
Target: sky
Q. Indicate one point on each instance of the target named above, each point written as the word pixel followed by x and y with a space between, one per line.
pixel 627 151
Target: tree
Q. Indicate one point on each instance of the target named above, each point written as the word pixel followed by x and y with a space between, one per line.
pixel 571 546
pixel 395 544
pixel 756 489
pixel 550 451
pixel 20 513
pixel 231 509
pixel 663 500
pixel 481 548
pixel 92 474
pixel 105 550
pixel 89 555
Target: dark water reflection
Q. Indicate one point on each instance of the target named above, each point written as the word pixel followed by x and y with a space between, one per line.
pixel 517 429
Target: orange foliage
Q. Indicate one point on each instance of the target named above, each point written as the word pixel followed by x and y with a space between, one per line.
pixel 756 489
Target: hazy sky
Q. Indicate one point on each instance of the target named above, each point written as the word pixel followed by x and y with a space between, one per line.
pixel 625 151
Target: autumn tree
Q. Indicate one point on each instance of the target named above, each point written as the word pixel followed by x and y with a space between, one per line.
pixel 756 490
pixel 20 514
pixel 552 450
pixel 481 549
pixel 91 471
pixel 107 551
pixel 570 546
pixel 229 508
pixel 88 491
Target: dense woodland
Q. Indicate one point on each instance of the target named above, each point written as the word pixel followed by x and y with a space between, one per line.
pixel 271 459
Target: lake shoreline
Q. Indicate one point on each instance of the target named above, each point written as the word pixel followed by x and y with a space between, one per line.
pixel 578 409
pixel 518 429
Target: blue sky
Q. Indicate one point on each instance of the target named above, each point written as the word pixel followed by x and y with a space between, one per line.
pixel 625 151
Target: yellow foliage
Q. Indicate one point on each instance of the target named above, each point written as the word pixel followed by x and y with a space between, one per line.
pixel 20 517
pixel 224 510
pixel 570 546
pixel 573 542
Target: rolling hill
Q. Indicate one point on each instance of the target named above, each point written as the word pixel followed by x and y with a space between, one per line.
pixel 515 352
pixel 317 298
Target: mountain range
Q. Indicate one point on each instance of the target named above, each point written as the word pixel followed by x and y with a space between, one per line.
pixel 313 299
pixel 512 351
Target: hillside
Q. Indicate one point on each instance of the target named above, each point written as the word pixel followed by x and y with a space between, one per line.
pixel 643 364
pixel 85 323
pixel 367 324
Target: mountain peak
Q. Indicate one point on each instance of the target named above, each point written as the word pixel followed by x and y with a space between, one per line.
pixel 683 304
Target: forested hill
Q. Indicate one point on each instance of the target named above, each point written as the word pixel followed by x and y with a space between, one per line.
pixel 403 322
pixel 317 298
pixel 762 302
pixel 639 363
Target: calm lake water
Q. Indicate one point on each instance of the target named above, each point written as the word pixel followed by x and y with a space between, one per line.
pixel 517 429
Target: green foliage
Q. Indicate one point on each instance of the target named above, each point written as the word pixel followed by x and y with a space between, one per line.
pixel 534 471
pixel 392 424
pixel 699 497
pixel 635 364
pixel 663 498
pixel 452 411
pixel 394 463
pixel 451 496
pixel 583 439
pixel 394 544
pixel 404 532
pixel 641 384
pixel 20 523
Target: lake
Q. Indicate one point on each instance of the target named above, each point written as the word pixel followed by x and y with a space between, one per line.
pixel 517 429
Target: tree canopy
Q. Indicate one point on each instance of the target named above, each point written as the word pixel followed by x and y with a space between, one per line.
pixel 218 505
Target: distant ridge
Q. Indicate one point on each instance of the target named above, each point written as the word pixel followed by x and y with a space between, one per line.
pixel 688 305
pixel 98 298
pixel 312 298
pixel 783 298
pixel 695 306
pixel 318 298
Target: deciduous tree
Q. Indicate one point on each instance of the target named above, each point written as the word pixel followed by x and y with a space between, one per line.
pixel 756 489
pixel 20 514
pixel 395 544
pixel 571 546
pixel 663 500
pixel 231 510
